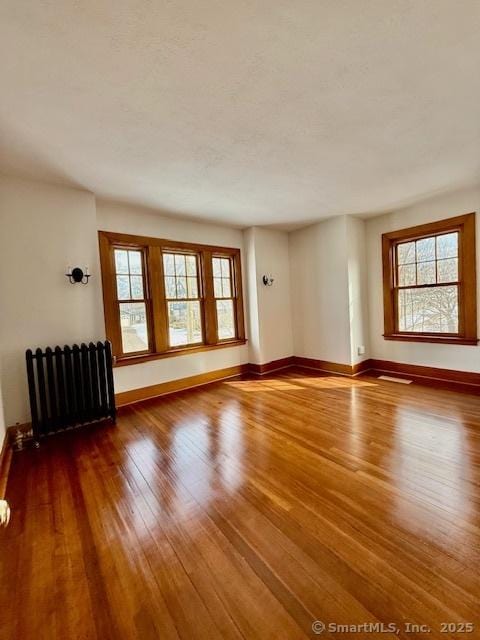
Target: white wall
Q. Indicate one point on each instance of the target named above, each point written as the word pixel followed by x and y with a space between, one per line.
pixel 270 318
pixel 43 229
pixel 125 218
pixel 251 291
pixel 320 303
pixel 446 356
pixel 137 220
pixel 357 288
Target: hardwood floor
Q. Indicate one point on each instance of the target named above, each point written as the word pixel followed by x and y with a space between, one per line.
pixel 249 509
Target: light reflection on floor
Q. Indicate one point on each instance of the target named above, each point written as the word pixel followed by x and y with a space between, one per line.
pixel 442 481
pixel 356 426
pixel 195 444
pixel 220 438
pixel 232 446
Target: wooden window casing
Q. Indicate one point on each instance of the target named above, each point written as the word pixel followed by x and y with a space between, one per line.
pixel 465 281
pixel 156 300
pixel 188 292
pixel 224 287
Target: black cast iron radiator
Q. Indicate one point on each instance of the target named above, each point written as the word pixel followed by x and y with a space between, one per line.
pixel 70 387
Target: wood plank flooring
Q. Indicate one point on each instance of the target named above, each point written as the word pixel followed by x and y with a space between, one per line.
pixel 249 509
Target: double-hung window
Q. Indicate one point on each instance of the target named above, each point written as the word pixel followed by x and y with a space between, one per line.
pixel 429 282
pixel 223 286
pixel 163 298
pixel 182 295
pixel 131 299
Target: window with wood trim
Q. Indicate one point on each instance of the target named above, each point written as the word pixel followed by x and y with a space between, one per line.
pixel 429 282
pixel 164 298
pixel 182 293
pixel 224 296
pixel 131 302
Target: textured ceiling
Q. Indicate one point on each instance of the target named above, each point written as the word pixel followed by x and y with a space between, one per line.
pixel 247 111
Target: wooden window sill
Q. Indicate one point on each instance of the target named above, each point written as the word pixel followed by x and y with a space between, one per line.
pixel 431 338
pixel 123 361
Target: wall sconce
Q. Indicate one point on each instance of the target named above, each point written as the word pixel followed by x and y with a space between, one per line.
pixel 268 280
pixel 77 274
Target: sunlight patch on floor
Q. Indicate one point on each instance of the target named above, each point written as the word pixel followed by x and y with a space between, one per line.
pixel 332 382
pixel 263 385
pixel 322 382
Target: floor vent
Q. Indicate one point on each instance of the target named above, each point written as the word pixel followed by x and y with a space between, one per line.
pixel 399 380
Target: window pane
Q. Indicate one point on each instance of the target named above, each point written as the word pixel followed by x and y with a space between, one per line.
pixel 225 319
pixel 170 289
pixel 123 287
pixel 429 310
pixel 227 290
pixel 191 265
pixel 179 265
pixel 168 264
pixel 447 270
pixel 121 261
pixel 406 252
pixel 447 245
pixel 217 286
pixel 425 249
pixel 406 275
pixel 192 288
pixel 181 287
pixel 184 323
pixel 225 268
pixel 217 267
pixel 135 261
pixel 426 273
pixel 133 323
pixel 136 287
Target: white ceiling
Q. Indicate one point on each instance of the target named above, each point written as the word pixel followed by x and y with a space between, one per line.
pixel 243 111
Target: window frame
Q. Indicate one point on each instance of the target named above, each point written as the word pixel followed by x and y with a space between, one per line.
pixel 145 300
pixel 199 299
pixel 155 295
pixel 467 288
pixel 233 289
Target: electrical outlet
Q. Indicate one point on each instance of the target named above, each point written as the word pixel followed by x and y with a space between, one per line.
pixel 361 350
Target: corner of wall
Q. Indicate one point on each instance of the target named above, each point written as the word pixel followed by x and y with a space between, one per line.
pixel 253 328
pixel 358 289
pixel 270 313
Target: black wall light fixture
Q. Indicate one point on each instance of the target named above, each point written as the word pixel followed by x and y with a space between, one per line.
pixel 268 280
pixel 77 274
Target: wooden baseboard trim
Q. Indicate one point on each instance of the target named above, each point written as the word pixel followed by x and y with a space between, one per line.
pixel 322 365
pixel 361 367
pixel 332 367
pixel 447 378
pixel 5 461
pixel 155 390
pixel 270 367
